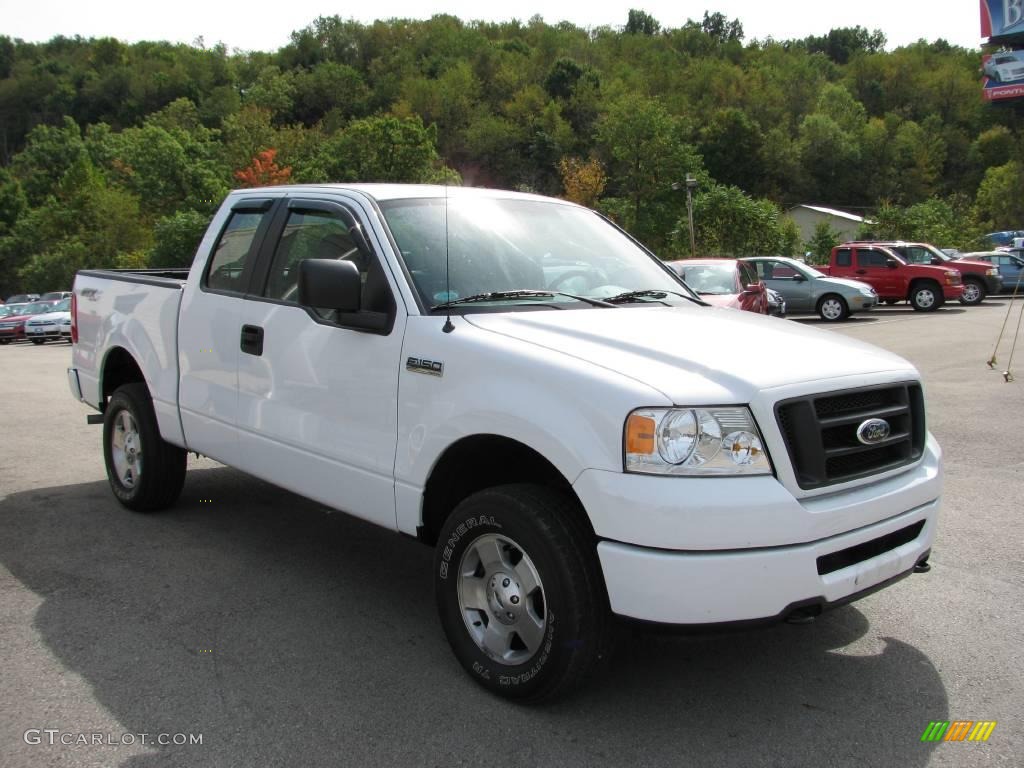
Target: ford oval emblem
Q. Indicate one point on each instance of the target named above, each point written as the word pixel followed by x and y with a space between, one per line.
pixel 873 431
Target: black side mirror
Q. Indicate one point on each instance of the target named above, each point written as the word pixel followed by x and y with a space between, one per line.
pixel 330 284
pixel 799 278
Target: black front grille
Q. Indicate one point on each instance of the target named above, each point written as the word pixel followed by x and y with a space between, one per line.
pixel 861 552
pixel 820 432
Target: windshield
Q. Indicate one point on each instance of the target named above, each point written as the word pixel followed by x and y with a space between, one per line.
pixel 501 245
pixel 710 279
pixel 62 306
pixel 36 308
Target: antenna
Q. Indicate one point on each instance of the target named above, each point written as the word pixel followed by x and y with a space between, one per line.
pixel 447 327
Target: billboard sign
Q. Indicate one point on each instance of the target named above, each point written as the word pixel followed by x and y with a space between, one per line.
pixel 1002 18
pixel 1004 75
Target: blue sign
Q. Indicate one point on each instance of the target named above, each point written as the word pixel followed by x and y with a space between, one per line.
pixel 1002 18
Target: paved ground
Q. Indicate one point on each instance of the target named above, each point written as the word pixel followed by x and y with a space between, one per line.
pixel 287 634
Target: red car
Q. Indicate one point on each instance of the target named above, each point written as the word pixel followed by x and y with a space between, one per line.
pixel 12 325
pixel 725 283
pixel 924 286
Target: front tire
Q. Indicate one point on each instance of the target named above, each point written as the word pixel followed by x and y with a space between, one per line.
pixel 832 308
pixel 38 342
pixel 146 473
pixel 520 593
pixel 974 293
pixel 926 297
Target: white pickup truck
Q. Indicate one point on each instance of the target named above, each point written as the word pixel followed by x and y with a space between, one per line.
pixel 518 383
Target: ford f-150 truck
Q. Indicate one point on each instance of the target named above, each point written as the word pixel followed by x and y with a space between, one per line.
pixel 521 385
pixel 924 286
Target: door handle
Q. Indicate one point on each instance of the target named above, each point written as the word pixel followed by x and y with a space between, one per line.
pixel 252 340
pixel 862 271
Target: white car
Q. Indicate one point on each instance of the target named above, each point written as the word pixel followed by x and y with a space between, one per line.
pixel 50 325
pixel 1006 67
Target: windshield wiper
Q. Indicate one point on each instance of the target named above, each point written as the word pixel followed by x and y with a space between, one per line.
pixel 522 294
pixel 654 293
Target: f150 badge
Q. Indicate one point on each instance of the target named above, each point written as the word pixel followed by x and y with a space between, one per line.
pixel 419 365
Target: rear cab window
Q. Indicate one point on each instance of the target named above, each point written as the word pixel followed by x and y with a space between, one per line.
pixel 234 255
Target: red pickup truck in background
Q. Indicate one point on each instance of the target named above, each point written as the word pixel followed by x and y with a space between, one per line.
pixel 924 286
pixel 980 278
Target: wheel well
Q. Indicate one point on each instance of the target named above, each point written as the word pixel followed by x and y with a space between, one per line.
pixel 484 461
pixel 831 295
pixel 119 368
pixel 918 282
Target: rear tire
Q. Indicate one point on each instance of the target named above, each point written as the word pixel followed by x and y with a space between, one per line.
pixel 974 293
pixel 146 473
pixel 509 561
pixel 926 297
pixel 832 308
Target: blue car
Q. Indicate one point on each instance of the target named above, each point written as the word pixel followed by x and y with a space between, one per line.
pixel 1010 265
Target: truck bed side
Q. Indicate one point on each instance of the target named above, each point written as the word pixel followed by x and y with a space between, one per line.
pixel 133 312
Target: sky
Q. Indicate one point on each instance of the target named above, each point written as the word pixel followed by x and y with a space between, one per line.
pixel 264 25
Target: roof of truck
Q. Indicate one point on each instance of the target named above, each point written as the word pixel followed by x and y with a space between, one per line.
pixel 382 192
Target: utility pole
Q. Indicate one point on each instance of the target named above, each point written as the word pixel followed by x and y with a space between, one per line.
pixel 691 184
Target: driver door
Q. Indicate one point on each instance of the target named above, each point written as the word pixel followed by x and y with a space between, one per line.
pixel 317 392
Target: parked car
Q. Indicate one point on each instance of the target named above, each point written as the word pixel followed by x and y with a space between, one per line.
pixel 570 458
pixel 55 296
pixel 926 287
pixel 12 327
pixel 1006 237
pixel 807 289
pixel 979 278
pixel 22 298
pixel 47 325
pixel 724 283
pixel 1009 264
pixel 1004 67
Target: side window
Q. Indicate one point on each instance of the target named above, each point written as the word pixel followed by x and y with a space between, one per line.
pixel 843 257
pixel 916 255
pixel 308 235
pixel 234 252
pixel 764 269
pixel 748 276
pixel 318 234
pixel 867 258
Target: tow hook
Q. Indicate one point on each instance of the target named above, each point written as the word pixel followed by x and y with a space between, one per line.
pixel 922 566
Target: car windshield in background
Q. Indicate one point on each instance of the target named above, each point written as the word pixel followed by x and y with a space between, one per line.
pixel 36 308
pixel 499 245
pixel 63 306
pixel 710 279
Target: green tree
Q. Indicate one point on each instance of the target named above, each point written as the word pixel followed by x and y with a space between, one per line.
pixel 641 23
pixel 384 149
pixel 822 241
pixel 176 239
pixel 729 223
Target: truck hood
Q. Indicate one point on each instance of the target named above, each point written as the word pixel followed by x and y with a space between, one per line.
pixel 970 264
pixel 697 355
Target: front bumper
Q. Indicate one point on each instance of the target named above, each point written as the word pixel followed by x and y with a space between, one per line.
pixel 748 585
pixel 45 331
pixel 951 292
pixel 716 550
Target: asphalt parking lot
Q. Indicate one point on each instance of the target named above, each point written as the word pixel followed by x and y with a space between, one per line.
pixel 287 634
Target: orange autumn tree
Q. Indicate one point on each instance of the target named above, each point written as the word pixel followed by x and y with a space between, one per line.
pixel 583 180
pixel 263 171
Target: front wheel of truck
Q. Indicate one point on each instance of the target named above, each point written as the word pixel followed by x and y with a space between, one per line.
pixel 145 472
pixel 520 593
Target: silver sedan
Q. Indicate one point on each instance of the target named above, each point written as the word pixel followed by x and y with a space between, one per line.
pixel 805 289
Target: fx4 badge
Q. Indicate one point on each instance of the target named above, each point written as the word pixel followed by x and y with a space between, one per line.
pixel 430 367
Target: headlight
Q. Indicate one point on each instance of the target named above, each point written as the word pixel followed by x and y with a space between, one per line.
pixel 694 441
pixel 869 292
pixel 992 272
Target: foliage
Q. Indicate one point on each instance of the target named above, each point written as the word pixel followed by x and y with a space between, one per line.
pixel 176 239
pixel 160 129
pixel 729 223
pixel 582 180
pixel 943 222
pixel 822 241
pixel 263 171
